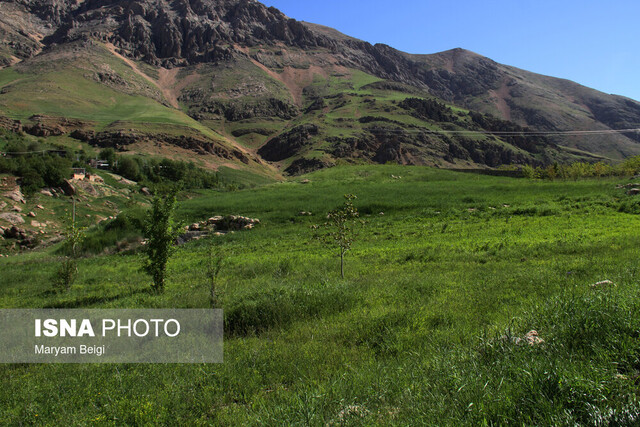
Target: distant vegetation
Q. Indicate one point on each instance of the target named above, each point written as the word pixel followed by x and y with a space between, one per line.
pixel 152 171
pixel 629 167
pixel 40 165
pixel 32 162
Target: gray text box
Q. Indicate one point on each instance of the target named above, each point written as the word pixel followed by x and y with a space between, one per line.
pixel 111 336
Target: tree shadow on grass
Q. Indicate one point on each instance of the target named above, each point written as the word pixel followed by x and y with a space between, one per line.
pixel 94 299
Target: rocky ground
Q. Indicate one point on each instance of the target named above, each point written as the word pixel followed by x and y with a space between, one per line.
pixel 40 220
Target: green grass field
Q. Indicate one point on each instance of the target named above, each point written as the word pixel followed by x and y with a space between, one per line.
pixel 449 270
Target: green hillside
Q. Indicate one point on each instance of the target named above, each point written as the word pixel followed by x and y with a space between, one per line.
pixel 298 117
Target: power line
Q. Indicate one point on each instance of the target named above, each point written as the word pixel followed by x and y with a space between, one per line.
pixel 29 152
pixel 24 152
pixel 508 133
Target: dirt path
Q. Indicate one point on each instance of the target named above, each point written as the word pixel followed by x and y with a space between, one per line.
pixel 164 83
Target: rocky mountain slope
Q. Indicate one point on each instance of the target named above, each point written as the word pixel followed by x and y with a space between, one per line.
pixel 246 86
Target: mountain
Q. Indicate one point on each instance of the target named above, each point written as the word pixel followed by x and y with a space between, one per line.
pixel 232 83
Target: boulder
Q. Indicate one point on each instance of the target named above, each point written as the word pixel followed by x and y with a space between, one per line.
pixel 96 178
pixel 530 338
pixel 15 233
pixel 46 193
pixel 633 192
pixel 214 220
pixel 16 209
pixel 631 184
pixel 15 195
pixel 602 284
pixel 31 214
pixel 125 181
pixel 145 191
pixel 68 188
pixel 39 207
pixel 12 218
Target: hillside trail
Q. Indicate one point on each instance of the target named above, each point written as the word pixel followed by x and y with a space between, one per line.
pixel 166 77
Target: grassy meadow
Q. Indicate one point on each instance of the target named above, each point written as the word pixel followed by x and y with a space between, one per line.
pixel 449 272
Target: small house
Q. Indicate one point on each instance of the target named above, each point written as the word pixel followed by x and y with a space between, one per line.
pixel 79 173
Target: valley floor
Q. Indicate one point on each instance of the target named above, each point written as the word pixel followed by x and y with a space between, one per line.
pixel 447 276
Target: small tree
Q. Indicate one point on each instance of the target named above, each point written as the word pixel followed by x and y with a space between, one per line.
pixel 161 232
pixel 212 266
pixel 341 228
pixel 68 270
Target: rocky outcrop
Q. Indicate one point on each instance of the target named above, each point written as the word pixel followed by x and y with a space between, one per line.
pixel 15 195
pixel 198 144
pixel 234 111
pixel 289 143
pixel 9 124
pixel 68 188
pixel 44 126
pixel 170 34
pixel 382 144
pixel 21 236
pixel 217 225
pixel 302 166
pixel 83 135
pixel 12 218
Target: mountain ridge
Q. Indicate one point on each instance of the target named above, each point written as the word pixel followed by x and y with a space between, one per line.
pixel 227 63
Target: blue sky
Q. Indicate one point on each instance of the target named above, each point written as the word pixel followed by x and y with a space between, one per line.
pixel 595 43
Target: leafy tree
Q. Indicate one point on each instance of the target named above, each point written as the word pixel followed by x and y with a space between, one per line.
pixel 109 155
pixel 128 168
pixel 341 228
pixel 530 172
pixel 30 181
pixel 161 232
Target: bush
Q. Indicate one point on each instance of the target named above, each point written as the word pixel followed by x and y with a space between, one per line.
pixel 128 168
pixel 128 226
